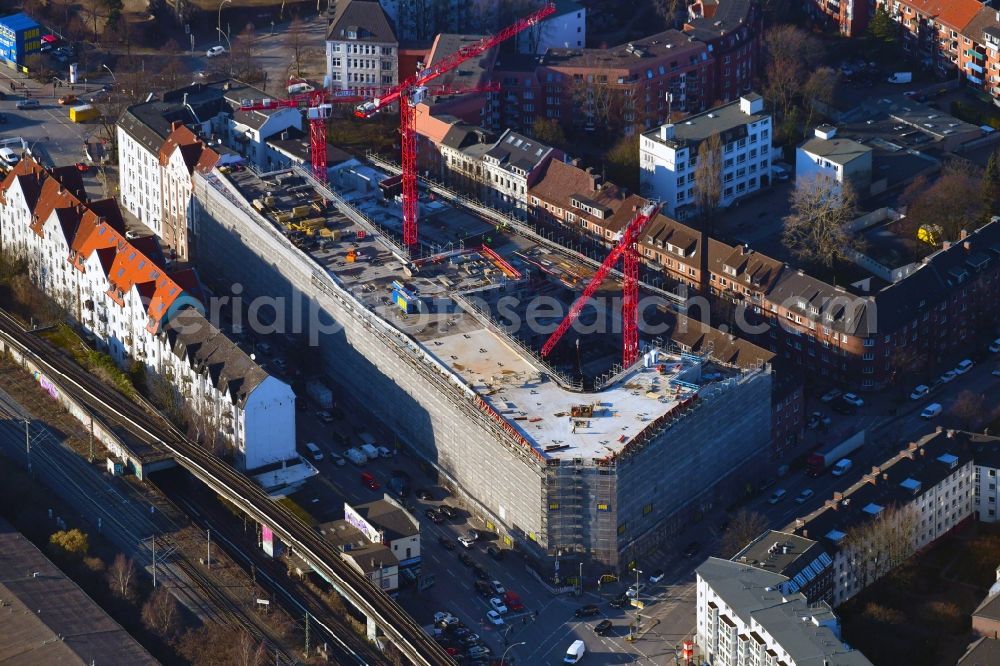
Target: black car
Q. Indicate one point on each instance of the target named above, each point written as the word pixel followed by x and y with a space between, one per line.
pixel 620 601
pixel 484 589
pixel 447 544
pixel 603 627
pixel 436 518
pixel 494 551
pixel 448 511
pixel 587 611
pixel 841 406
pixel 481 573
pixel 466 560
pixel 424 494
pixel 691 549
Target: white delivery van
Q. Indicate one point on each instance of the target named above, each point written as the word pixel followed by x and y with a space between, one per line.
pixel 575 652
pixel 369 450
pixel 931 410
pixel 901 77
pixel 842 467
pixel 356 456
pixel 314 451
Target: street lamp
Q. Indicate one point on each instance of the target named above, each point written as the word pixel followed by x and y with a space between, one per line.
pixel 228 43
pixel 218 21
pixel 503 659
pixel 638 572
pixel 110 72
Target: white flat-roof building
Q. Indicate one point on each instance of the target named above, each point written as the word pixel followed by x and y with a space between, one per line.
pixel 668 155
pixel 826 156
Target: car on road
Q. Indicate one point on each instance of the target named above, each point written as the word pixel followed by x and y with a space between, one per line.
pixel 995 346
pixel 853 399
pixel 449 511
pixel 948 376
pixel 498 605
pixel 963 367
pixel 215 51
pixel 620 601
pixel 843 407
pixel 82 167
pixel 446 543
pixel 369 481
pixel 777 496
pixel 27 104
pixel 314 451
pixel 691 549
pixel 931 410
pixel 424 494
pixel 68 99
pixel 587 611
pixel 498 587
pixel 494 551
pixel 435 517
pixel 480 573
pixel 338 459
pixel 478 652
pixel 656 576
pixel 634 590
pixel 830 395
pixel 324 415
pixel 603 627
pixel 804 496
pixel 466 560
pixel 919 392
pixel 466 541
pixel 494 618
pixel 484 589
pixel 996 373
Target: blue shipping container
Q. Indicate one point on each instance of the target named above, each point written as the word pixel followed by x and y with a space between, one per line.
pixel 20 36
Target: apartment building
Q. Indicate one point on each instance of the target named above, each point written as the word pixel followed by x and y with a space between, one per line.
pixel 668 155
pixel 418 21
pixel 827 157
pixel 901 506
pixel 511 166
pixel 730 30
pixel 745 617
pixel 805 564
pixel 573 197
pixel 212 112
pixel 979 57
pixel 362 52
pixel 181 153
pixel 119 292
pixel 565 29
pixel 934 31
pixel 850 16
pixel 986 455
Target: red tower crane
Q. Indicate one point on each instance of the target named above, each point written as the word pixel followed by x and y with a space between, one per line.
pixel 630 289
pixel 413 90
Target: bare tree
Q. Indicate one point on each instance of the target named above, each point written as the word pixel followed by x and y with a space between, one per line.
pixel 295 42
pixel 160 613
pixel 595 100
pixel 249 652
pixel 121 577
pixel 969 409
pixel 819 90
pixel 791 54
pixel 877 546
pixel 667 10
pixel 92 11
pixel 816 230
pixel 174 74
pixel 954 201
pixel 744 527
pixel 244 55
pixel 708 176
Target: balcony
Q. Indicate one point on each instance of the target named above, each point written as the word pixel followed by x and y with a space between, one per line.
pixel 974 67
pixel 975 54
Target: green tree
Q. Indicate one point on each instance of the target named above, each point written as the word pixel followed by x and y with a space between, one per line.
pixel 72 543
pixel 623 162
pixel 881 28
pixel 549 131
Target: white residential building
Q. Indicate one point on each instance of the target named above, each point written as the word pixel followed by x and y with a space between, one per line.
pixel 120 293
pixel 827 157
pixel 744 619
pixel 668 155
pixel 181 153
pixel 362 51
pixel 512 165
pixel 917 496
pixel 566 29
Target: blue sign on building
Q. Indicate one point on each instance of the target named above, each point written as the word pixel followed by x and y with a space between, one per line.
pixel 20 36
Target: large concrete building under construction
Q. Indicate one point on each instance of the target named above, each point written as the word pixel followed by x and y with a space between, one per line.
pixel 598 470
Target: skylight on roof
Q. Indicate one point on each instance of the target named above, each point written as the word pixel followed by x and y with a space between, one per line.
pixel 910 484
pixel 873 509
pixel 948 459
pixel 835 536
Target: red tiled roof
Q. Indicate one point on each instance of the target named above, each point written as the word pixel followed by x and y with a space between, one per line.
pixel 954 13
pixel 560 181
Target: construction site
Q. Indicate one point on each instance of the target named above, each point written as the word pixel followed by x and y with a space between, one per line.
pixel 582 459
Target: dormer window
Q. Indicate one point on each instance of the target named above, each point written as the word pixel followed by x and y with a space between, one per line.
pixel 729 270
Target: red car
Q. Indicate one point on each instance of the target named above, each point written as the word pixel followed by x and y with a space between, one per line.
pixel 82 167
pixel 512 601
pixel 369 480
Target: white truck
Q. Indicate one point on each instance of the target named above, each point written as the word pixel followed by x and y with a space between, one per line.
pixel 356 456
pixel 369 450
pixel 575 652
pixel 320 393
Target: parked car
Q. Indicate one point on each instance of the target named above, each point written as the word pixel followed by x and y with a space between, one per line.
pixel 777 496
pixel 843 407
pixel 853 399
pixel 587 611
pixel 804 496
pixel 483 588
pixel 995 346
pixel 948 376
pixel 634 590
pixel 931 410
pixel 603 627
pixel 338 460
pixel 435 517
pixel 480 573
pixel 498 587
pixel 215 51
pixel 919 392
pixel 82 167
pixel 830 395
pixel 656 576
pixel 449 511
pixel 691 549
pixel 324 415
pixel 446 543
pixel 963 367
pixel 466 541
pixel 68 99
pixel 424 494
pixel 494 618
pixel 27 104
pixel 314 451
pixel 498 605
pixel 443 616
pixel 494 551
pixel 466 560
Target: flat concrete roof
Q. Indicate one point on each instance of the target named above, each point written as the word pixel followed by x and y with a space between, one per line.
pixel 48 619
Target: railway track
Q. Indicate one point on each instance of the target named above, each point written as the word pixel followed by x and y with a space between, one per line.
pixel 397 625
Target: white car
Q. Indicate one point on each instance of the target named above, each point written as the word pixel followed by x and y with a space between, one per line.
pixel 384 452
pixel 442 616
pixel 804 496
pixel 494 618
pixel 498 605
pixel 948 376
pixel 466 541
pixel 963 367
pixel 657 576
pixel 995 373
pixel 919 392
pixel 634 590
pixel 931 410
pixel 215 51
pixel 853 399
pixel 9 157
pixel 498 588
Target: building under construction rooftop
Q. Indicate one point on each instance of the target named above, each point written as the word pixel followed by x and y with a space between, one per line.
pixel 586 461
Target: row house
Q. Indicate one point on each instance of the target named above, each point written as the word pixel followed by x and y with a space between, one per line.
pixel 362 51
pixel 120 293
pixel 979 58
pixel 730 30
pixel 181 153
pixel 900 507
pixel 511 166
pixel 573 197
pixel 934 31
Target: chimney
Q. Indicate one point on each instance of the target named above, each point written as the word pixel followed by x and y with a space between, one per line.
pixel 805 534
pixel 831 504
pixel 667 132
pixel 876 470
pixel 967 245
pixel 176 124
pixel 945 245
pixel 963 234
pixel 825 132
pixel 751 104
pixel 838 496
